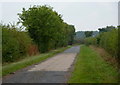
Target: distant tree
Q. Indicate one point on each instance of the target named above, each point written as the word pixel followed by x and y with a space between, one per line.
pixel 71 34
pixel 88 33
pixel 106 29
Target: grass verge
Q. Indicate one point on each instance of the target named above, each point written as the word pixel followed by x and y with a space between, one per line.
pixel 105 55
pixel 7 69
pixel 90 67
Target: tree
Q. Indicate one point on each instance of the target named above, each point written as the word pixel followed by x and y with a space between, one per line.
pixel 71 34
pixel 106 29
pixel 88 33
pixel 46 27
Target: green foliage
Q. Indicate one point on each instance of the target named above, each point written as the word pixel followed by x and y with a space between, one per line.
pixel 106 29
pixel 46 27
pixel 118 59
pixel 91 68
pixel 108 39
pixel 88 33
pixel 70 32
pixel 14 43
pixel 91 40
pixel 80 36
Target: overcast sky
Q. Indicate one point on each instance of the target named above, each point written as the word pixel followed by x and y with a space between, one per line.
pixel 83 15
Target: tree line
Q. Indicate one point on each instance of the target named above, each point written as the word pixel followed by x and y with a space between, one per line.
pixel 44 30
pixel 107 39
pixel 81 35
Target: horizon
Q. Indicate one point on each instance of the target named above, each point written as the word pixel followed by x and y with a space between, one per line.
pixel 83 15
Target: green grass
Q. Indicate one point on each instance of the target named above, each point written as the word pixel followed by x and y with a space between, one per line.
pixel 91 68
pixel 6 69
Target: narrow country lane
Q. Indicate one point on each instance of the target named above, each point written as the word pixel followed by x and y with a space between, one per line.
pixel 53 70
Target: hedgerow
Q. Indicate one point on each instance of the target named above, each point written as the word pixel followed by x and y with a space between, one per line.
pixel 15 44
pixel 107 39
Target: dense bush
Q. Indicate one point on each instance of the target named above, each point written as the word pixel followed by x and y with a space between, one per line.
pixel 90 40
pixel 107 39
pixel 15 44
pixel 88 33
pixel 46 27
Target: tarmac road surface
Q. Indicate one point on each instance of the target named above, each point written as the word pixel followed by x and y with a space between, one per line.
pixel 53 70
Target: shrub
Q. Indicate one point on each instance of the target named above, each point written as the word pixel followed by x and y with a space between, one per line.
pixel 91 40
pixel 107 40
pixel 14 43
